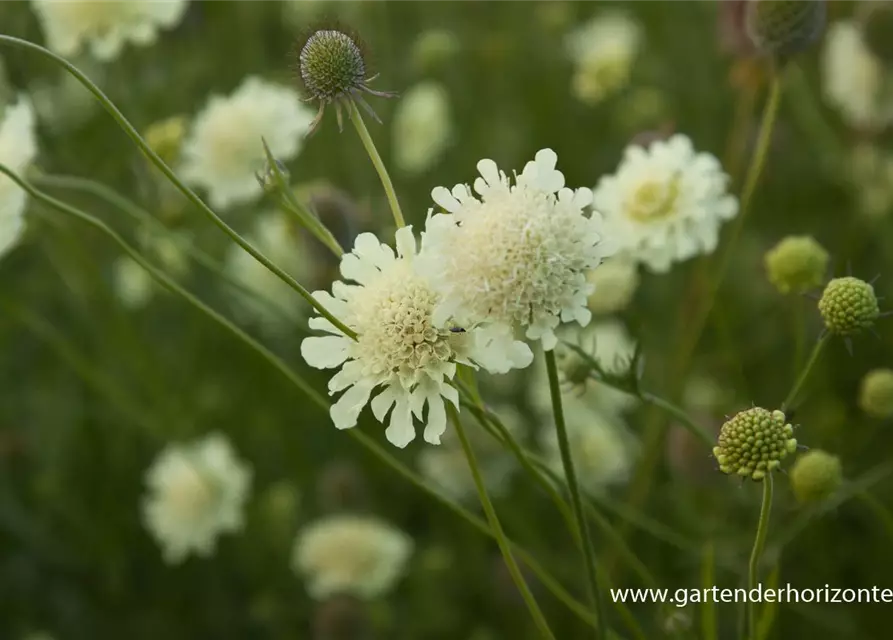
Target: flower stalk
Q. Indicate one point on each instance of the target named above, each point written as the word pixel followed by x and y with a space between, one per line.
pixel 756 554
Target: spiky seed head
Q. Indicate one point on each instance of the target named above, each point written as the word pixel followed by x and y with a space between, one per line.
pixel 332 65
pixel 815 476
pixel 754 442
pixel 878 27
pixel 781 28
pixel 876 393
pixel 797 264
pixel 848 306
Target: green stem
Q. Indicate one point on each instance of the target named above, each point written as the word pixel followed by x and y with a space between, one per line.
pixel 799 318
pixel 804 374
pixel 758 544
pixel 315 397
pixel 665 405
pixel 515 571
pixel 357 119
pixel 574 489
pixel 190 195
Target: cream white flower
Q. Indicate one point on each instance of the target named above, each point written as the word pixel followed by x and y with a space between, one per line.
pixel 223 150
pixel 854 80
pixel 132 284
pixel 519 254
pixel 422 127
pixel 615 282
pixel 197 491
pixel 447 467
pixel 870 171
pixel 666 203
pixel 105 26
pixel 18 148
pixel 399 345
pixel 603 51
pixel 275 303
pixel 350 554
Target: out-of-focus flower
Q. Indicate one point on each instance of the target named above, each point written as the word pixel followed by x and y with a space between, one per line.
pixel 197 491
pixel 815 476
pixel 782 28
pixel 422 127
pixel 615 282
pixel 871 171
pixel 876 393
pixel 224 150
pixel 275 305
pixel 165 137
pixel 399 346
pixel 854 80
pixel 104 27
pixel 433 48
pixel 18 148
pixel 518 255
pixel 447 467
pixel 797 264
pixel 348 554
pixel 665 204
pixel 131 282
pixel 603 52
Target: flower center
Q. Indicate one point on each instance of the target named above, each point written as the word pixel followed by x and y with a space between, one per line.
pixel 189 492
pixel 654 200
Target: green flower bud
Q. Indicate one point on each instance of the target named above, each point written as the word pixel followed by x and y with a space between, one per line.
pixel 782 28
pixel 848 306
pixel 876 393
pixel 796 264
pixel 815 476
pixel 754 442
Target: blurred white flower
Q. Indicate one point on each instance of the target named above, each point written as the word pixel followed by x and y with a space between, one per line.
pixel 132 284
pixel 351 555
pixel 870 171
pixel 422 127
pixel 447 467
pixel 519 255
pixel 603 52
pixel 615 282
pixel 276 305
pixel 60 101
pixel 197 491
pixel 666 203
pixel 223 150
pixel 105 26
pixel 399 345
pixel 855 81
pixel 18 148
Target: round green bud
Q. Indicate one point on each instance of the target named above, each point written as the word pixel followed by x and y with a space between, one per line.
pixel 815 476
pixel 796 264
pixel 876 393
pixel 848 306
pixel 754 442
pixel 784 27
pixel 332 65
pixel 878 27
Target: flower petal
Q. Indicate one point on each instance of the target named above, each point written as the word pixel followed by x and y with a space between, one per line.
pixel 400 431
pixel 325 352
pixel 436 418
pixel 346 411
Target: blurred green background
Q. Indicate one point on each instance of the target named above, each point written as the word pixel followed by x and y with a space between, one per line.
pixel 92 390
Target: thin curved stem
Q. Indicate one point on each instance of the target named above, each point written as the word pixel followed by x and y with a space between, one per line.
pixel 574 489
pixel 690 425
pixel 314 396
pixel 515 571
pixel 357 118
pixel 757 552
pixel 804 374
pixel 190 195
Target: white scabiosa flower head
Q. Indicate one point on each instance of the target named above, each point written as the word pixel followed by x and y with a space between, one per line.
pixel 347 554
pixel 223 151
pixel 854 80
pixel 274 305
pixel 422 127
pixel 400 345
pixel 104 27
pixel 666 203
pixel 518 254
pixel 197 491
pixel 447 467
pixel 615 282
pixel 603 52
pixel 18 148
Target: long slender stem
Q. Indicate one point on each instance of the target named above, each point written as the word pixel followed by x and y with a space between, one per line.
pixel 190 195
pixel 515 571
pixel 314 396
pixel 574 489
pixel 678 413
pixel 804 374
pixel 357 119
pixel 757 552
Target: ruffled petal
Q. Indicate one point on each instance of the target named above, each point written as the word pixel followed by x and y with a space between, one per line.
pixel 443 197
pixel 383 402
pixel 436 418
pixel 346 411
pixel 400 431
